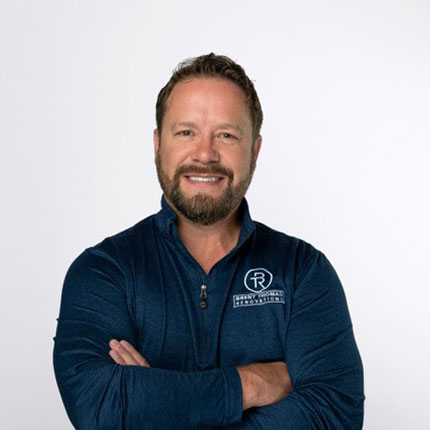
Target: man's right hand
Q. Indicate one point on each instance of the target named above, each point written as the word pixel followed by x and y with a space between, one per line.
pixel 264 384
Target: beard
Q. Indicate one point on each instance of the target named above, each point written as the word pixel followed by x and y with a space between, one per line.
pixel 201 208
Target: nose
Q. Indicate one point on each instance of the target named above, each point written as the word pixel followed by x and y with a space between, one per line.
pixel 205 151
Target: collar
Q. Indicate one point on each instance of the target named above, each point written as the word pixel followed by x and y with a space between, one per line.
pixel 166 220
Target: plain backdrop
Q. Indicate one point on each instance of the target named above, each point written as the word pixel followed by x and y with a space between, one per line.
pixel 344 164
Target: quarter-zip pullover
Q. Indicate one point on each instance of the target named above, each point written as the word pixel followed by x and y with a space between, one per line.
pixel 273 297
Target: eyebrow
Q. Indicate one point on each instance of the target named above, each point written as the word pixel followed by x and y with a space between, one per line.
pixel 223 126
pixel 227 125
pixel 183 124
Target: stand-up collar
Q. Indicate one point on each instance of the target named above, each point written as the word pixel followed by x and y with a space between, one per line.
pixel 166 220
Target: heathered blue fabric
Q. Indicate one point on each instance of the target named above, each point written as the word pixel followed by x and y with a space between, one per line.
pixel 142 285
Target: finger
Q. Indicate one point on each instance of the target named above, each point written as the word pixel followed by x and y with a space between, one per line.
pixel 135 354
pixel 125 355
pixel 116 357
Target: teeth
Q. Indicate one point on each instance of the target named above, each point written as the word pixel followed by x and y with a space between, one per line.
pixel 200 179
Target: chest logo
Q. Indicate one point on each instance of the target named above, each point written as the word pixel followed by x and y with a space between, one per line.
pixel 257 280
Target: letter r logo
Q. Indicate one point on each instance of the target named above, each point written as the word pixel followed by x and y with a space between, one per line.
pixel 258 280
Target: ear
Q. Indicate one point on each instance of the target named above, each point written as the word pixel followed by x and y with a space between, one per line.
pixel 257 146
pixel 156 141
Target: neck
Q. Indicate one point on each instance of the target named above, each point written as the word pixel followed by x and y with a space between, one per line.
pixel 209 244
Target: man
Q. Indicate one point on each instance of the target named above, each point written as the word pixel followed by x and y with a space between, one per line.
pixel 198 317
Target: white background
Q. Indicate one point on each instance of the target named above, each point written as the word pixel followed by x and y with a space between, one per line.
pixel 344 164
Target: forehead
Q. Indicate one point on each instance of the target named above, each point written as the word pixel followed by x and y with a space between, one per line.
pixel 202 83
pixel 208 96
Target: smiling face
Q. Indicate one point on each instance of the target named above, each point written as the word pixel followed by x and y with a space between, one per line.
pixel 205 155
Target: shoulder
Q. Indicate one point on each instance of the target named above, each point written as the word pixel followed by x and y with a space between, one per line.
pixel 290 245
pixel 298 256
pixel 118 247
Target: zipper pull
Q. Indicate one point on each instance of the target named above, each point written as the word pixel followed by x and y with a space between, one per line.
pixel 203 296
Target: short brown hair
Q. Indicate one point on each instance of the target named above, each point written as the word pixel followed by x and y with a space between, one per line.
pixel 217 66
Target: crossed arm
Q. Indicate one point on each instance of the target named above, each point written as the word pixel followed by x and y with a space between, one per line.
pixel 263 384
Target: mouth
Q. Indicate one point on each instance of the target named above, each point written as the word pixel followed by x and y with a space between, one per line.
pixel 195 178
pixel 204 180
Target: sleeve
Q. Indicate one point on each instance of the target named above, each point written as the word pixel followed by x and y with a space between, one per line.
pixel 99 394
pixel 322 359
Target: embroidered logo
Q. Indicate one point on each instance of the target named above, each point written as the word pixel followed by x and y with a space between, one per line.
pixel 257 281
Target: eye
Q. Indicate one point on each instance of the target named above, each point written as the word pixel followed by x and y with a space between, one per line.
pixel 226 136
pixel 184 133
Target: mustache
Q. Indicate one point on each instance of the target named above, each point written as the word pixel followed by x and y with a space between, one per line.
pixel 204 170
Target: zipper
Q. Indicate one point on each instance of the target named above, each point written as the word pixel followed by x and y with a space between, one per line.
pixel 203 292
pixel 203 306
pixel 203 296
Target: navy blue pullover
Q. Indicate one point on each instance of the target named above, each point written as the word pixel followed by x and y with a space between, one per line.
pixel 273 297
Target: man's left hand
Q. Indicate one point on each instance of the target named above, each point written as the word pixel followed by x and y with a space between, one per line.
pixel 124 353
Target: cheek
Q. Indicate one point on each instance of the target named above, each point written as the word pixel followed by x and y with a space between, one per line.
pixel 171 159
pixel 243 164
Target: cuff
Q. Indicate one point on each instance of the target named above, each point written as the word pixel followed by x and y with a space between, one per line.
pixel 233 396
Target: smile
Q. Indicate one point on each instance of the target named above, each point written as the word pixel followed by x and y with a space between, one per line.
pixel 204 179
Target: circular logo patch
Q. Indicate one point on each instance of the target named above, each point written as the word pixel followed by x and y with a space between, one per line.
pixel 257 280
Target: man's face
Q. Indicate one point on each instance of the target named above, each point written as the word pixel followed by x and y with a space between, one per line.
pixel 205 156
